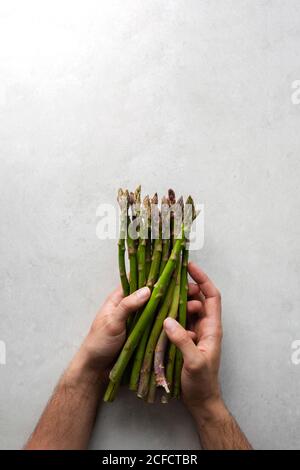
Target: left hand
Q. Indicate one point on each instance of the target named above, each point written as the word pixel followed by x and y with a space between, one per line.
pixel 200 372
pixel 108 331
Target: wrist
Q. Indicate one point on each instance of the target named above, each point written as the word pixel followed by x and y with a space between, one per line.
pixel 212 411
pixel 91 357
pixel 83 370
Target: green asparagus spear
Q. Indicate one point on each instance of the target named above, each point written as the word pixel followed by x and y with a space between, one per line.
pixel 165 218
pixel 156 256
pixel 123 201
pixel 152 389
pixel 182 318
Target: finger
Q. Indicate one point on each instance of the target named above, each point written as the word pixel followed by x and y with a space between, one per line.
pixel 132 303
pixel 180 337
pixel 199 297
pixel 115 296
pixel 192 335
pixel 193 289
pixel 195 307
pixel 194 292
pixel 211 326
pixel 203 281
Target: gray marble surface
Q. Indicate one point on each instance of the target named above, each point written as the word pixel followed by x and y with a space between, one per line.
pixel 190 94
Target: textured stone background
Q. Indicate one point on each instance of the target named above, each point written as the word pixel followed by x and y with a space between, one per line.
pixel 190 94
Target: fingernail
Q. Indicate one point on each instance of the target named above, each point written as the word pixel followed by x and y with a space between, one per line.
pixel 170 324
pixel 143 293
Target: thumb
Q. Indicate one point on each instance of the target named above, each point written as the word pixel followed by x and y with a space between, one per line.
pixel 180 337
pixel 132 303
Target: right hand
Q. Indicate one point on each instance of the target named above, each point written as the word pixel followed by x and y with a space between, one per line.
pixel 199 379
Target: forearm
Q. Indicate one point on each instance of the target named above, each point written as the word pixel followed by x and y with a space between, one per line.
pixel 217 428
pixel 68 419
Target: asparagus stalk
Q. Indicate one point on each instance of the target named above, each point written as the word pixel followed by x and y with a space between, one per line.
pixel 152 389
pixel 165 234
pixel 141 256
pixel 147 314
pixel 138 359
pixel 148 242
pixel 141 253
pixel 133 281
pixel 148 254
pixel 165 254
pixel 111 391
pixel 136 210
pixel 170 371
pixel 123 201
pixel 172 202
pixel 148 356
pixel 156 257
pixel 181 317
pixel 157 250
pixel 160 349
pixel 159 358
pixel 131 246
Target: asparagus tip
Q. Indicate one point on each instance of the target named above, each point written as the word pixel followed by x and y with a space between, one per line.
pixel 165 201
pixel 137 194
pixel 154 199
pixel 180 202
pixel 122 199
pixel 171 195
pixel 190 202
pixel 126 194
pixel 147 203
pixel 131 198
pixel 147 207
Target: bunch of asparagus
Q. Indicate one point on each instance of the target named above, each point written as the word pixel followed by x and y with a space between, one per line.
pixel 157 245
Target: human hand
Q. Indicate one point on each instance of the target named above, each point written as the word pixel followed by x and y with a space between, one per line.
pixel 199 379
pixel 108 331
